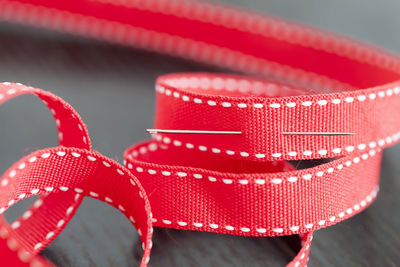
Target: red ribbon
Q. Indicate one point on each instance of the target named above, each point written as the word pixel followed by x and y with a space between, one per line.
pixel 239 184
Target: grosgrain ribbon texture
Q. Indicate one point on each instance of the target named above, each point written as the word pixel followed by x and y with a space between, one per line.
pixel 241 185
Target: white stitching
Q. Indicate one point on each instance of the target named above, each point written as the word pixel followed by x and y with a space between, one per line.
pixel 307 103
pixel 322 152
pixel 280 230
pixel 39 202
pixel 276 181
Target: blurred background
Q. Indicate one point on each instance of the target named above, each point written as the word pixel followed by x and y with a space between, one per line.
pixel 112 87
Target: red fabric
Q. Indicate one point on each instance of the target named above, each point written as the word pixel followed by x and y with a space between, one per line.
pixel 239 184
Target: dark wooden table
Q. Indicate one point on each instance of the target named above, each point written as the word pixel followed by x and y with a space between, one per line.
pixel 112 88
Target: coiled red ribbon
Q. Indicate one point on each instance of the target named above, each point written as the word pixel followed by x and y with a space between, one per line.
pixel 242 184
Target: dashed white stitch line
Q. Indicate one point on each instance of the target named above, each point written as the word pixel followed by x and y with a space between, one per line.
pixel 60 223
pixel 389 92
pixel 27 214
pixel 259 181
pixel 275 105
pixel 76 155
pixel 45 155
pixel 4 182
pixel 49 235
pixel 308 226
pixel 227 181
pixel 34 191
pixel 322 152
pixel 197 176
pixel 189 145
pixel 121 208
pixel 69 210
pixel 105 163
pixel 181 174
pixel 213 225
pixel 93 194
pixel 292 179
pixel 202 148
pixel 349 99
pixel 212 179
pixel 361 146
pixel 276 181
pixel 12 174
pixel 91 158
pixel 15 225
pixel 291 104
pixel 61 153
pixel 216 150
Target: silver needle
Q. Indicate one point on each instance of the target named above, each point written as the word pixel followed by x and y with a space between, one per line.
pixel 153 131
pixel 316 133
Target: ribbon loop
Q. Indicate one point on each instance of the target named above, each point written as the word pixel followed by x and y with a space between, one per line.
pixel 82 173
